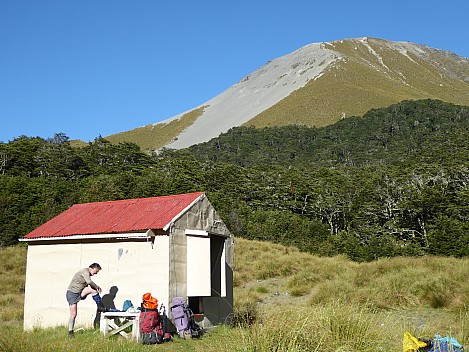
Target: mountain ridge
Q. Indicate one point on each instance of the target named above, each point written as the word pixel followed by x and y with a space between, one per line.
pixel 316 85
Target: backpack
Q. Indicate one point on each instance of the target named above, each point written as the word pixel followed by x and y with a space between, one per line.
pixel 445 344
pixel 151 331
pixel 164 323
pixel 184 319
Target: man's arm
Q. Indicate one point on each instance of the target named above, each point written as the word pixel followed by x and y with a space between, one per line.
pixel 87 277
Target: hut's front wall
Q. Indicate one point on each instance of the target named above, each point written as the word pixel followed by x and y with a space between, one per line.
pixel 129 269
pixel 201 217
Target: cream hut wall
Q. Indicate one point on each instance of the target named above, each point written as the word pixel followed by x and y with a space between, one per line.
pixel 171 246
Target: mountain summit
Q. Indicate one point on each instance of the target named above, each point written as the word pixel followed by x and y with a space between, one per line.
pixel 317 85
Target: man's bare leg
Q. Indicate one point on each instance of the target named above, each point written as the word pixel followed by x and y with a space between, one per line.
pixel 71 322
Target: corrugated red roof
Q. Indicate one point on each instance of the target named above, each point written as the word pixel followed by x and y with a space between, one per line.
pixel 118 216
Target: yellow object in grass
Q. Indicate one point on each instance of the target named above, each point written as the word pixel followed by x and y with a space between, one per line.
pixel 411 344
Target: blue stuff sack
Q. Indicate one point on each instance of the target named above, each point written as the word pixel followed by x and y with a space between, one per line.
pixel 127 305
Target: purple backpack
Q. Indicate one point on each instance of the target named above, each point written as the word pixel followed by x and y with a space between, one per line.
pixel 184 319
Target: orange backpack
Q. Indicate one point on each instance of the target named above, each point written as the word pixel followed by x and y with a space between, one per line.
pixel 149 302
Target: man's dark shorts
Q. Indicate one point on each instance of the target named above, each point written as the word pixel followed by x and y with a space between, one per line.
pixel 73 298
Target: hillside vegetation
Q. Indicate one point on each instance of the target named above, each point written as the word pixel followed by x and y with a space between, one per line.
pixel 152 137
pixel 374 75
pixel 391 183
pixel 286 300
pixel 426 131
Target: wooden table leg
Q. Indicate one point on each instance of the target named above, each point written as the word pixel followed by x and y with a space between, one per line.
pixel 136 329
pixel 103 326
pixel 118 329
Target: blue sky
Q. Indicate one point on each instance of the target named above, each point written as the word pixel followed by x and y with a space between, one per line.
pixel 88 68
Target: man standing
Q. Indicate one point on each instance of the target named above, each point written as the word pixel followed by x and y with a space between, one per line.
pixel 80 287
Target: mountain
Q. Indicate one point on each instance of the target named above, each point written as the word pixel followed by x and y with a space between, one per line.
pixel 317 85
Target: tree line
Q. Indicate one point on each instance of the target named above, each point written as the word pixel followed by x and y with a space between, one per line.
pixel 393 182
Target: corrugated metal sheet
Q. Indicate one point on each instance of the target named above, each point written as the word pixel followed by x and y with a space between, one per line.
pixel 118 216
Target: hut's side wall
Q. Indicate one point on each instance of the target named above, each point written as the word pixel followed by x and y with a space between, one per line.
pixel 201 216
pixel 129 269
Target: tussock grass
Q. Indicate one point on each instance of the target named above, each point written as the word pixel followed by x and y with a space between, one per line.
pixel 334 327
pixel 12 272
pixel 402 282
pixel 286 300
pixel 354 306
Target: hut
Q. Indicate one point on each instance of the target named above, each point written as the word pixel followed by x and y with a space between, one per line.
pixel 170 246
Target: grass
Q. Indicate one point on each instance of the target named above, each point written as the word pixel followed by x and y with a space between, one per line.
pixel 286 300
